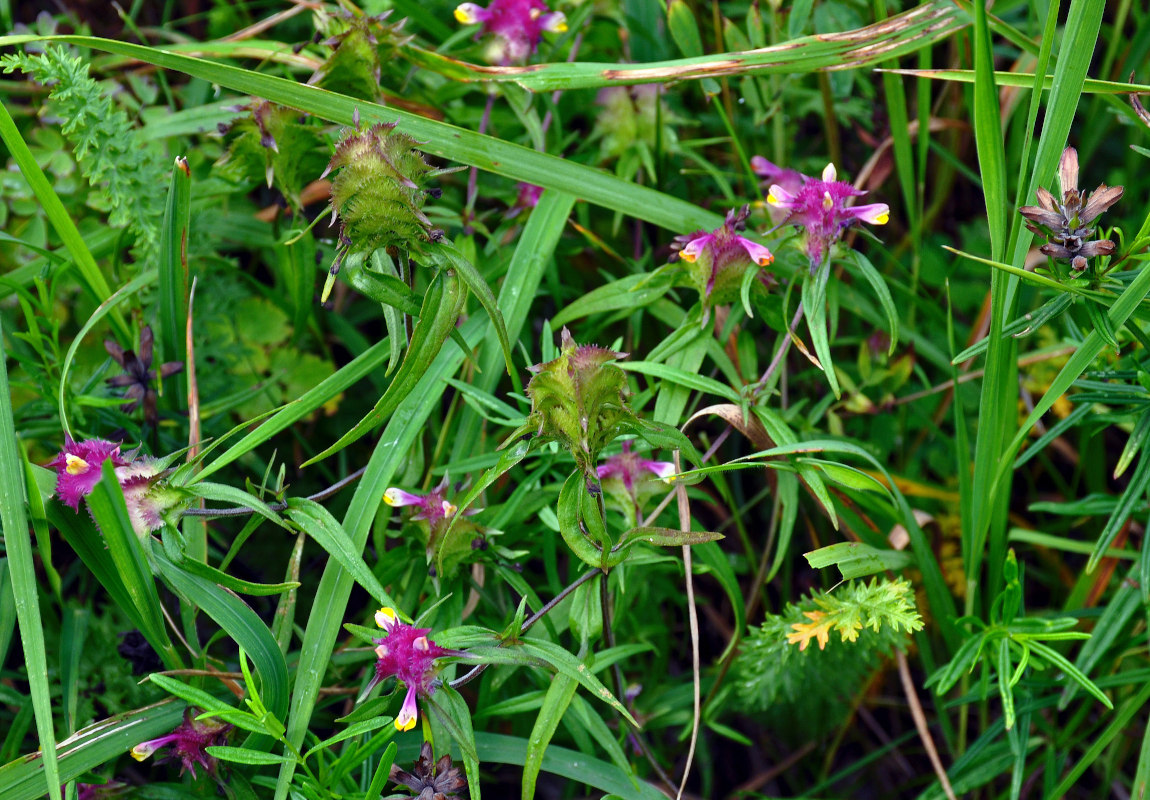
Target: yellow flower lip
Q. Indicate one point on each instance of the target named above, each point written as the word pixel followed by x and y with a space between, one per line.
pixel 882 219
pixel 464 15
pixel 75 464
pixel 688 257
pixel 404 723
pixel 386 617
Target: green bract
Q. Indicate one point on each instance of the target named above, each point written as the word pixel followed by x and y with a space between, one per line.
pixel 379 192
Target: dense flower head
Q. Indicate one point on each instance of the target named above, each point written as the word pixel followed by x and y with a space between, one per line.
pixel 718 260
pixel 188 743
pixel 79 466
pixel 578 399
pixel 517 25
pixel 430 779
pixel 819 206
pixel 407 654
pixel 1065 222
pixel 378 192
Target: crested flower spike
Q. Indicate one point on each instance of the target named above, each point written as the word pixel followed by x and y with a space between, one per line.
pixel 1065 222
pixel 408 655
pixel 517 25
pixel 718 260
pixel 188 743
pixel 80 465
pixel 819 206
pixel 578 399
pixel 378 193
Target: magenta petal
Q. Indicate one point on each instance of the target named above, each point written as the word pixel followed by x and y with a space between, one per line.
pixel 79 465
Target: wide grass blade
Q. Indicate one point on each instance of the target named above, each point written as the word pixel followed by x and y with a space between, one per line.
pixel 22 573
pixel 440 139
pixel 127 551
pixel 329 606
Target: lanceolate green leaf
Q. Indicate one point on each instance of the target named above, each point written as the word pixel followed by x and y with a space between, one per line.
pixel 893 37
pixel 325 530
pixel 441 306
pixel 94 280
pixel 22 572
pixel 127 550
pixel 555 703
pixel 242 625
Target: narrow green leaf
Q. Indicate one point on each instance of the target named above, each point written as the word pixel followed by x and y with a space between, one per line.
pixel 555 704
pixel 127 551
pixel 109 305
pixel 875 279
pixel 572 667
pixel 93 278
pixel 857 559
pixel 346 377
pixel 243 626
pixel 173 269
pixel 242 755
pixel 569 521
pixel 441 307
pixel 315 520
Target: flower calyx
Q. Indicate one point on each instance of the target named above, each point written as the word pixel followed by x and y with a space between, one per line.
pixel 1065 222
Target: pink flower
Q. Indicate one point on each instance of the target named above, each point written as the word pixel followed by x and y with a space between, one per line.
pixel 434 507
pixel 187 743
pixel 79 466
pixel 409 656
pixel 628 467
pixel 528 197
pixel 819 207
pixel 517 25
pixel 718 259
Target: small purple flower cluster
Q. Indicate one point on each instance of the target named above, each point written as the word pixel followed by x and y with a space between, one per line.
pixel 188 744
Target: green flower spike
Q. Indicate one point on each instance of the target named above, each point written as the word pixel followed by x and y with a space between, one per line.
pixel 378 193
pixel 578 400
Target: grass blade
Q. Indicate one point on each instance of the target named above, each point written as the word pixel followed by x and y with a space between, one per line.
pixel 22 573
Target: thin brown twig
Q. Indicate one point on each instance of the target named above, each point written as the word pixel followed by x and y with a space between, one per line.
pixel 693 619
pixel 280 506
pixel 920 723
